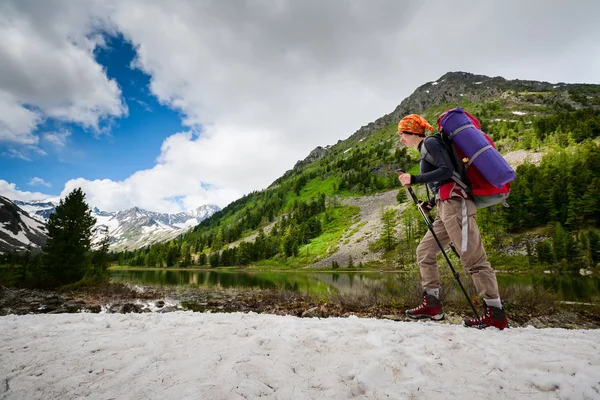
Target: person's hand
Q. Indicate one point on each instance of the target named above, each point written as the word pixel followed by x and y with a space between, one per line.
pixel 425 205
pixel 404 179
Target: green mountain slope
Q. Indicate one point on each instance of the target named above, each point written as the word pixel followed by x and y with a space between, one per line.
pixel 338 207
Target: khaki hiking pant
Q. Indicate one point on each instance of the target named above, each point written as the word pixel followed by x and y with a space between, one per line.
pixel 455 223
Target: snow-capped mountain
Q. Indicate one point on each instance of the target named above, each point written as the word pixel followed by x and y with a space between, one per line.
pixel 194 217
pixel 136 227
pixel 18 230
pixel 39 210
pixel 132 228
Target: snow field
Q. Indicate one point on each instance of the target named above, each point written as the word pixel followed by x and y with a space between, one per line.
pixel 186 355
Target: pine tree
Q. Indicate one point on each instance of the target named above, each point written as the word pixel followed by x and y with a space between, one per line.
pixel 99 270
pixel 172 254
pixel 69 239
pixel 388 218
pixel 572 215
pixel 214 259
pixel 543 250
pixel 152 257
pixel 593 248
pixel 186 257
pixel 217 243
pixel 401 197
pixel 559 243
pixel 591 203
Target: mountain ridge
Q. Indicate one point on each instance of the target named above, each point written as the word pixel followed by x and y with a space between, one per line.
pixel 127 229
pixel 451 88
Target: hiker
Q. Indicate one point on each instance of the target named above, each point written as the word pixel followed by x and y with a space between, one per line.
pixel 454 223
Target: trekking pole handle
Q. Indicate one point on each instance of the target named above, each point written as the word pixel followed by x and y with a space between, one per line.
pixel 424 212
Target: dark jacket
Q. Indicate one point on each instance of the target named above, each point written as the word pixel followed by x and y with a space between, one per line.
pixel 438 174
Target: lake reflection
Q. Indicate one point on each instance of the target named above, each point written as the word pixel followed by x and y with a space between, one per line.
pixel 567 287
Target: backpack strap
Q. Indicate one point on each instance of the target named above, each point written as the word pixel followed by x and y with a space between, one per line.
pixel 425 155
pixel 460 129
pixel 489 146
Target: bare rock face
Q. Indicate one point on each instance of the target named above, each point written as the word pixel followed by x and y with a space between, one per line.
pixel 518 157
pixel 314 155
pixel 18 230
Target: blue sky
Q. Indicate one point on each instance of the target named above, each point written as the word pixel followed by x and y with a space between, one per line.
pixel 122 145
pixel 171 105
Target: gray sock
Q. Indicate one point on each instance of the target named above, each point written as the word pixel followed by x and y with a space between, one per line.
pixel 493 302
pixel 433 292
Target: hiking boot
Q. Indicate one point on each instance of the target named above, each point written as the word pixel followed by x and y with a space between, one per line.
pixel 430 309
pixel 492 316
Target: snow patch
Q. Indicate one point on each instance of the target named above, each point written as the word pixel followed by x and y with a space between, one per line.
pixel 149 229
pixel 108 221
pixel 519 112
pixel 33 224
pixel 478 83
pixel 223 356
pixel 20 236
pixel 187 224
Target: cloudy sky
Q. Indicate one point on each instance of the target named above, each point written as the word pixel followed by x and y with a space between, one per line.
pixel 171 105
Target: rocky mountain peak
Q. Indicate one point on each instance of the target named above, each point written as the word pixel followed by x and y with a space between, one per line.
pixel 453 87
pixel 131 228
pixel 205 211
pixel 314 155
pixel 18 231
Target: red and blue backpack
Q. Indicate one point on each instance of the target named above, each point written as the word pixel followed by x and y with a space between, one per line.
pixel 480 170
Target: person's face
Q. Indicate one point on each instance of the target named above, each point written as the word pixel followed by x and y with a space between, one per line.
pixel 409 140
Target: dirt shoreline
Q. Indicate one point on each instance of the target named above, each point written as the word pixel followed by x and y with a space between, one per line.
pixel 118 298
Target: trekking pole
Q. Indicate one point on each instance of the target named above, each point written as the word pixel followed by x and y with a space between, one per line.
pixel 429 222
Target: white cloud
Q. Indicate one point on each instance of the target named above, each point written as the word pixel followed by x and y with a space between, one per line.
pixel 268 81
pixel 57 139
pixel 16 122
pixel 157 189
pixel 10 191
pixel 26 153
pixel 38 181
pixel 48 68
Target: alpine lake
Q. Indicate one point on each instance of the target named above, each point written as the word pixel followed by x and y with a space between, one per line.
pixel 566 287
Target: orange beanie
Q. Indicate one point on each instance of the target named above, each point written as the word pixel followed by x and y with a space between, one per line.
pixel 414 124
